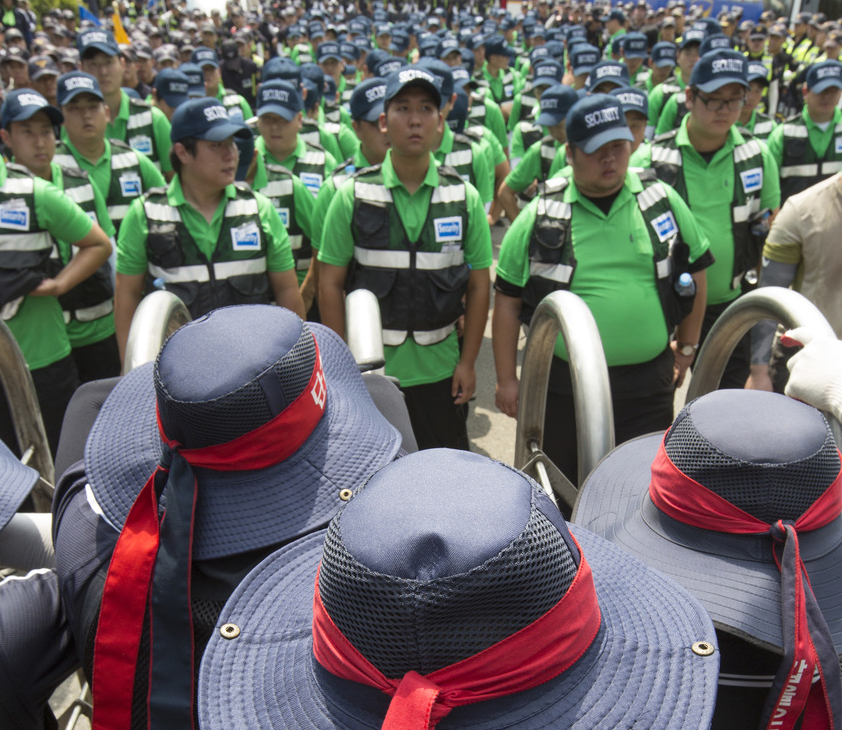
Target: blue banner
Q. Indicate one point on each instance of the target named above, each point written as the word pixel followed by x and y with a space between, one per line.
pixel 712 8
pixel 85 14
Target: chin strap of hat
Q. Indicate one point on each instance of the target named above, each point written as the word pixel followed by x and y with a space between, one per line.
pixel 151 566
pixel 809 652
pixel 534 655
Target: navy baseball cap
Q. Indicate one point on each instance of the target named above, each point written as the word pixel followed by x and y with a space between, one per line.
pixel 459 113
pixel 358 27
pixel 824 75
pixel 279 97
pixel 173 86
pixel 583 58
pixel 70 85
pixel 617 14
pixel 315 29
pixel 447 46
pixel 411 76
pixel 632 100
pixel 205 57
pixel 205 119
pixel 97 40
pixel 615 72
pixel 497 45
pixel 717 69
pixel 23 104
pixel 443 77
pixel 707 25
pixel 328 50
pixel 349 51
pixel 399 41
pixel 547 73
pixel 555 104
pixel 539 53
pixel 635 45
pixel 596 120
pixel 195 79
pixel 389 65
pixel 42 66
pixel 663 54
pixel 715 42
pixel 757 71
pixel 367 100
pixel 694 35
pixel 281 68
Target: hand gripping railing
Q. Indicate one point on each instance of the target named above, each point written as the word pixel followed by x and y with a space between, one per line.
pixel 565 313
pixel 785 306
pixel 363 330
pixel 158 315
pixel 26 418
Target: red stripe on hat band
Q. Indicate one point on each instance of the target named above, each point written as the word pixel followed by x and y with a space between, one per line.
pixel 534 655
pixel 271 443
pixel 687 501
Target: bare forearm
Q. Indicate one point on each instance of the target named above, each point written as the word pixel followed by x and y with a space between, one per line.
pixel 332 305
pixel 508 200
pixel 505 330
pixel 476 314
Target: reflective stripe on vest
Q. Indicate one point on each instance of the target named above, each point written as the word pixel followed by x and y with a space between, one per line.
pixel 140 133
pixel 200 273
pixel 280 190
pixel 17 200
pixel 801 167
pixel 90 314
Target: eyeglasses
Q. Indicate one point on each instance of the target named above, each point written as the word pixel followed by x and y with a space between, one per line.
pixel 717 105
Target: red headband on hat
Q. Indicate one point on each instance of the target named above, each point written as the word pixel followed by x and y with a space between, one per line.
pixel 534 655
pixel 806 636
pixel 157 554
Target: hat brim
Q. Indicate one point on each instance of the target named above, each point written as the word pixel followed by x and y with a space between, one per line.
pixel 582 70
pixel 281 111
pixel 735 577
pixel 67 98
pixel 419 83
pixel 639 669
pixel 245 510
pixel 102 47
pixel 545 119
pixel 372 115
pixel 174 100
pixel 718 83
pixel 16 482
pixel 333 57
pixel 219 132
pixel 825 84
pixel 54 115
pixel 664 62
pixel 592 144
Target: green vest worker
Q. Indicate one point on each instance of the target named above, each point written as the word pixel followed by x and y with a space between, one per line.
pixel 33 213
pixel 752 121
pixel 29 131
pixel 236 106
pixel 686 59
pixel 208 240
pixel 141 126
pixel 729 182
pixel 808 146
pixel 504 82
pixel 171 88
pixel 416 235
pixel 620 244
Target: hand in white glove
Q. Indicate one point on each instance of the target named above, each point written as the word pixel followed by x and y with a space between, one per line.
pixel 815 371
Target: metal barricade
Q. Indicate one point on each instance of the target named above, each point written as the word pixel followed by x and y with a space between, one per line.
pixel 26 418
pixel 158 315
pixel 364 331
pixel 784 306
pixel 564 313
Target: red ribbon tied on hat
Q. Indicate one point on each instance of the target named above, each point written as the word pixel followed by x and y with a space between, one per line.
pixel 808 644
pixel 151 565
pixel 534 655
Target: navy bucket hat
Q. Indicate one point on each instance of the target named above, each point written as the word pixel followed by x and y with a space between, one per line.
pixel 717 500
pixel 450 572
pixel 16 482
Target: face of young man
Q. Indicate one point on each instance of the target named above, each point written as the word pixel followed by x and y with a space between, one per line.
pixel 373 141
pixel 637 125
pixel 497 63
pixel 559 131
pixel 754 96
pixel 633 64
pixel 279 135
pixel 85 119
pixel 412 123
pixel 603 172
pixel 19 73
pixel 821 106
pixel 661 74
pixel 213 76
pixel 33 143
pixel 214 164
pixel 107 70
pixel 713 114
pixel 47 86
pixel 333 68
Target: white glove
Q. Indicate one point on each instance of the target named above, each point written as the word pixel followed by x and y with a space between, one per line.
pixel 815 371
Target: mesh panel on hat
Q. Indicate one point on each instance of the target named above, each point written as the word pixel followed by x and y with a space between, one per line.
pixel 401 625
pixel 769 492
pixel 204 423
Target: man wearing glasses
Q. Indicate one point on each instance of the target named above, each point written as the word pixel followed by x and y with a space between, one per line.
pixel 730 183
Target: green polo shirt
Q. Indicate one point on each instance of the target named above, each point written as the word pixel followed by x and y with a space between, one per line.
pixel 656 99
pixel 39 325
pixel 412 363
pixel 100 171
pixel 265 156
pixel 116 129
pixel 480 162
pixel 131 244
pixel 516 148
pixel 819 139
pixel 615 273
pixel 86 333
pixel 325 198
pixel 642 156
pixel 499 92
pixel 710 192
pixel 669 113
pixel 529 168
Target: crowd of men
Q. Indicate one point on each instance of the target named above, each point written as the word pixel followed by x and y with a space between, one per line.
pixel 658 163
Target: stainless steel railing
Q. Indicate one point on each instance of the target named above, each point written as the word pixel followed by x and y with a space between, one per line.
pixel 158 315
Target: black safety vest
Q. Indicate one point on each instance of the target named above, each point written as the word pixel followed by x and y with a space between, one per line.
pixel 801 167
pixel 279 189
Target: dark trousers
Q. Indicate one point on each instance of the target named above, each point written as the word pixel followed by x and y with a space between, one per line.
pixel 739 364
pixel 642 402
pixel 436 420
pixel 55 385
pixel 97 361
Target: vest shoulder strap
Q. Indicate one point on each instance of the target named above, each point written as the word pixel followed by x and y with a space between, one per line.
pixel 155 192
pixel 666 137
pixel 19 170
pixel 449 173
pixel 473 134
pixel 120 145
pixel 275 170
pixel 555 185
pixel 138 105
pixel 314 146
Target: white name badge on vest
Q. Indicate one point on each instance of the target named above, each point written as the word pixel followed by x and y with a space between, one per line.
pixel 752 180
pixel 130 185
pixel 665 226
pixel 141 143
pixel 283 214
pixel 312 181
pixel 15 215
pixel 838 145
pixel 508 89
pixel 448 229
pixel 246 237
